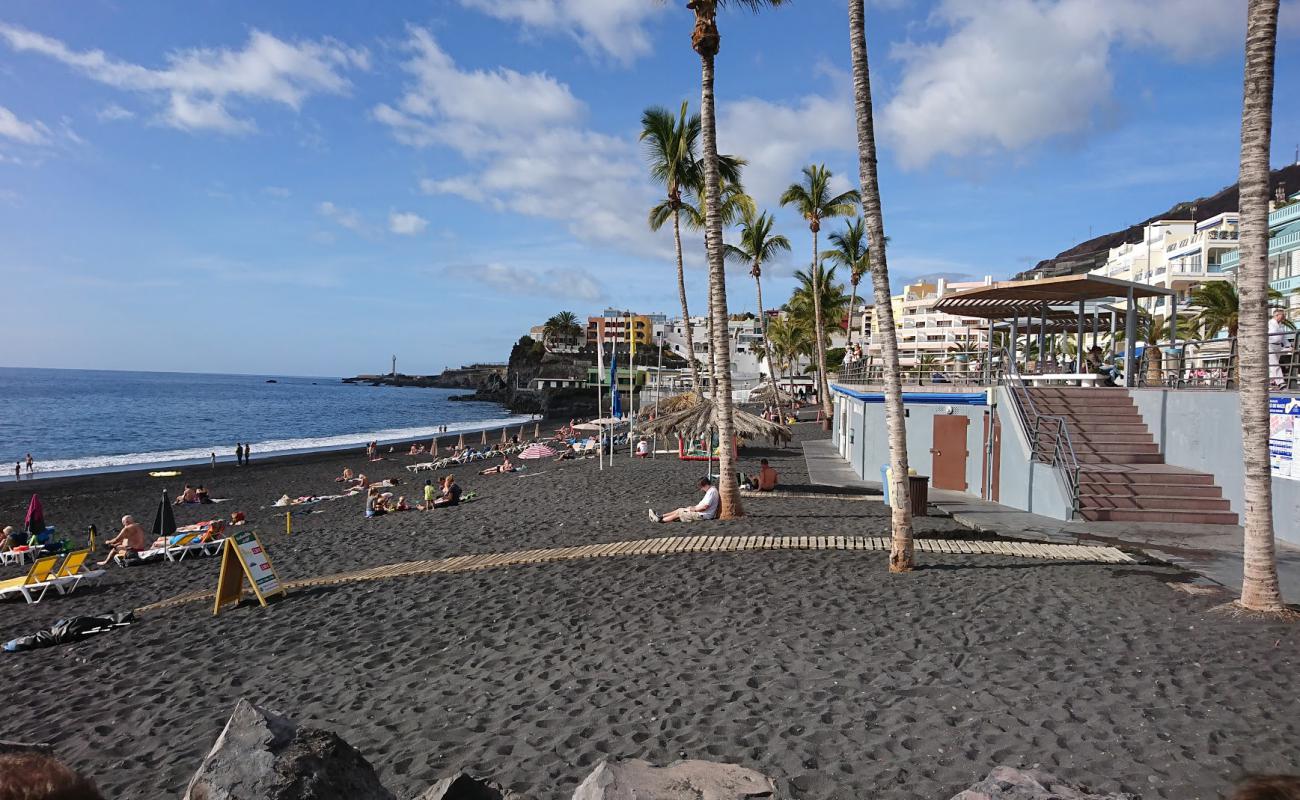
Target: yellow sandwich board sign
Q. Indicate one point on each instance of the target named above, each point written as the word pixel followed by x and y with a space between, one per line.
pixel 243 556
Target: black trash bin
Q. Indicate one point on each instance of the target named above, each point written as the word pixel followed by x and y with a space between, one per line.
pixel 918 488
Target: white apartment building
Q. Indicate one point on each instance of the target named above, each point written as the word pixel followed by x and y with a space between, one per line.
pixel 929 336
pixel 746 345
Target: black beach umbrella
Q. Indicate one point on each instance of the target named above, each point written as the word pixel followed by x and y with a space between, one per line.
pixel 164 522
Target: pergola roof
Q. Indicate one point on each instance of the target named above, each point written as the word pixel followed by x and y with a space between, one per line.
pixel 1026 298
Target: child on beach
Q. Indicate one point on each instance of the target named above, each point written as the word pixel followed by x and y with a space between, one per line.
pixel 429 495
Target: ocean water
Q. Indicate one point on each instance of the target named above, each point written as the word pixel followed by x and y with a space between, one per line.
pixel 91 420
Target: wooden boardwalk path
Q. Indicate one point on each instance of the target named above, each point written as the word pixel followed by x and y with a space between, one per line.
pixel 673 545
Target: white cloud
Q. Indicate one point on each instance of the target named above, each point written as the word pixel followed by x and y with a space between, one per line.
pixel 613 28
pixel 343 217
pixel 406 223
pixel 577 284
pixel 277 191
pixel 1011 73
pixel 113 112
pixel 526 151
pixel 197 85
pixel 11 127
pixel 779 139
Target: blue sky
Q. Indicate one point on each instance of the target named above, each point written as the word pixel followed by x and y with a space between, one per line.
pixel 307 188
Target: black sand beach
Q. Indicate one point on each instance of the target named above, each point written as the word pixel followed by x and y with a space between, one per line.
pixel 818 668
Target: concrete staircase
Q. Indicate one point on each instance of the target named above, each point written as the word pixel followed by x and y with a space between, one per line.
pixel 1123 476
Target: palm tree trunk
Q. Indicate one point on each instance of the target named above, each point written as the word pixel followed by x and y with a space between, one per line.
pixel 767 351
pixel 713 376
pixel 686 314
pixel 853 300
pixel 728 486
pixel 901 551
pixel 823 386
pixel 1259 589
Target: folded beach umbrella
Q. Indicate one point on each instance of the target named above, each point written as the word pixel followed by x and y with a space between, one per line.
pixel 164 522
pixel 521 433
pixel 461 441
pixel 504 436
pixel 537 451
pixel 484 437
pixel 537 430
pixel 34 522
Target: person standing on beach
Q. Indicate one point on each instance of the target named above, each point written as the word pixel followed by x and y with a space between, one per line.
pixel 214 460
pixel 18 470
pixel 248 453
pixel 30 463
pixel 239 454
pixel 429 495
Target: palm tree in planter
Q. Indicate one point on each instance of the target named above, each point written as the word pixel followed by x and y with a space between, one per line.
pixel 814 201
pixel 758 245
pixel 671 142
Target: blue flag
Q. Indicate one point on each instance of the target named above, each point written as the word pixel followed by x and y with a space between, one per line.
pixel 615 402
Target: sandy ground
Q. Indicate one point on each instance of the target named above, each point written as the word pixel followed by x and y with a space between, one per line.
pixel 817 668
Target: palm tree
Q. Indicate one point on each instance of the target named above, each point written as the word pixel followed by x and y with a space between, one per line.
pixel 1259 588
pixel 814 202
pixel 669 143
pixel 706 40
pixel 789 340
pixel 563 325
pixel 829 296
pixel 901 550
pixel 851 252
pixel 734 205
pixel 758 245
pixel 1219 307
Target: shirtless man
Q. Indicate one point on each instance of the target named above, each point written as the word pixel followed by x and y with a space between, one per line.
pixel 130 539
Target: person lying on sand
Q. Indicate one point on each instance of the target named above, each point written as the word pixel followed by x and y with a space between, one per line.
pixel 129 540
pixel 506 465
pixel 346 477
pixel 186 496
pixel 707 508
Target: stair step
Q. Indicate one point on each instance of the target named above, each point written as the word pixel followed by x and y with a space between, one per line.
pixel 1079 391
pixel 1137 477
pixel 1087 412
pixel 1120 458
pixel 1115 448
pixel 1147 502
pixel 1091 487
pixel 1135 515
pixel 1110 437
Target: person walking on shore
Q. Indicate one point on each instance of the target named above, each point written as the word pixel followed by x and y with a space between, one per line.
pixel 30 464
pixel 239 454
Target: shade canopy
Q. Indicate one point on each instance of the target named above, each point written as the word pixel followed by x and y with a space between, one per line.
pixel 537 451
pixel 1006 299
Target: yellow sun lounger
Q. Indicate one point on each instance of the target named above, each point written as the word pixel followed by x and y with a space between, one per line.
pixel 73 571
pixel 36 583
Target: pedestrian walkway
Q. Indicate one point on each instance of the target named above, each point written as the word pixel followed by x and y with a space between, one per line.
pixel 1212 551
pixel 673 545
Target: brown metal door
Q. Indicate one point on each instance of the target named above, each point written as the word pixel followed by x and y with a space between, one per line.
pixel 991 475
pixel 948 455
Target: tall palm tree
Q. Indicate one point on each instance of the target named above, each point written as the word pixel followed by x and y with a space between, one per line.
pixel 758 245
pixel 670 144
pixel 851 252
pixel 734 204
pixel 901 550
pixel 1259 587
pixel 813 200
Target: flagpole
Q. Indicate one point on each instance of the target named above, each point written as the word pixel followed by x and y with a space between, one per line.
pixel 659 394
pixel 600 376
pixel 631 385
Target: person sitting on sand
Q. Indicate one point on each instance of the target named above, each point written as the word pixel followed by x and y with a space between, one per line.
pixel 375 506
pixel 362 481
pixel 400 505
pixel 766 479
pixel 643 449
pixel 506 465
pixel 129 540
pixel 186 497
pixel 346 477
pixel 201 495
pixel 450 493
pixel 707 508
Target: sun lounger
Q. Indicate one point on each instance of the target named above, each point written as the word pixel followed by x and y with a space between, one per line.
pixel 35 583
pixel 21 554
pixel 73 571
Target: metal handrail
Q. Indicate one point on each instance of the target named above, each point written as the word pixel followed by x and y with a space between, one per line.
pixel 1035 423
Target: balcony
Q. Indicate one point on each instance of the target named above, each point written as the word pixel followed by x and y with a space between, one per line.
pixel 1284 215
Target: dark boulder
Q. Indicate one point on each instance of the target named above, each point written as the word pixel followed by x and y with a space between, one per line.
pixel 466 787
pixel 262 756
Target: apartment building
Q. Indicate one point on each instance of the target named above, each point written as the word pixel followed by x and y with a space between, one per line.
pixel 926 336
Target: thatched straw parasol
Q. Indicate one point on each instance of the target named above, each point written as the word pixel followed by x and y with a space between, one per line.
pixel 668 405
pixel 703 416
pixel 768 393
